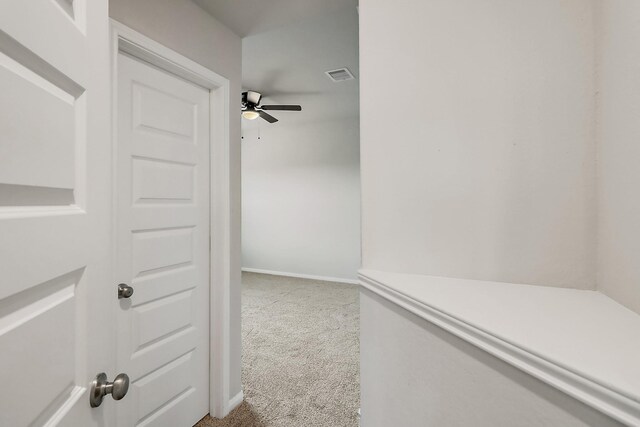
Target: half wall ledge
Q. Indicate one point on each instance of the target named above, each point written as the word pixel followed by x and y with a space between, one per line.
pixel 530 328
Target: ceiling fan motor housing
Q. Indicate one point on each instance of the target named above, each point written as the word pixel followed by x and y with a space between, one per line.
pixel 252 97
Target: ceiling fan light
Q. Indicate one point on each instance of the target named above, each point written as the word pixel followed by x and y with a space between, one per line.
pixel 250 114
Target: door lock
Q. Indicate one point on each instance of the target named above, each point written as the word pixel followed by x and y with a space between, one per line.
pixel 124 291
pixel 100 387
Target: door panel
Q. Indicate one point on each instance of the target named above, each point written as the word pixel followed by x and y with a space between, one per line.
pixel 55 292
pixel 163 245
pixel 35 161
pixel 157 180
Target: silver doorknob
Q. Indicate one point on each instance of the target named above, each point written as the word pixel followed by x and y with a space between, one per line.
pixel 124 291
pixel 100 387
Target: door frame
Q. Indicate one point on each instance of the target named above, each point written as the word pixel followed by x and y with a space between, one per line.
pixel 133 43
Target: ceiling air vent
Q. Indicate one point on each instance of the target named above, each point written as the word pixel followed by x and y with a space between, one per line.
pixel 340 75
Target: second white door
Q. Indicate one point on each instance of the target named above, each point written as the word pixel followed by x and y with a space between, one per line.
pixel 162 248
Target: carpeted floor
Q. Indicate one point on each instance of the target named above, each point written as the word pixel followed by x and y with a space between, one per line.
pixel 300 354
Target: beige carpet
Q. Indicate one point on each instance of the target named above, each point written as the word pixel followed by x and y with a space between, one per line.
pixel 300 354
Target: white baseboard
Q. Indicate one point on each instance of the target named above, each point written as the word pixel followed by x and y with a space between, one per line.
pixel 235 401
pixel 302 276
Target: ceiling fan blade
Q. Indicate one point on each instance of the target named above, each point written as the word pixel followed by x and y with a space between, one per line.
pixel 281 107
pixel 268 117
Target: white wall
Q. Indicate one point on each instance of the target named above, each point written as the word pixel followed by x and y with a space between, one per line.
pixel 300 181
pixel 301 198
pixel 483 166
pixel 478 140
pixel 415 374
pixel 182 26
pixel 619 151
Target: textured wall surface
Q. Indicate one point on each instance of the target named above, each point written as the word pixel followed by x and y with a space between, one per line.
pixel 477 139
pixel 619 151
pixel 301 199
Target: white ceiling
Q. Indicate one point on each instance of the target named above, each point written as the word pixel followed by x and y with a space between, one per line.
pixel 286 63
pixel 249 17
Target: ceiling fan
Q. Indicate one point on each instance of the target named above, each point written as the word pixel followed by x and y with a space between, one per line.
pixel 251 108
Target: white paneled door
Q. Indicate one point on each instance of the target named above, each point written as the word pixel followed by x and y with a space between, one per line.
pixel 162 225
pixel 56 294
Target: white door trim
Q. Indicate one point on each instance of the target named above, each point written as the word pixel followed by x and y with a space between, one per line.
pixel 125 39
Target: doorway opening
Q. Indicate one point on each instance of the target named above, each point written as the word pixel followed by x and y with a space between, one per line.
pixel 300 212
